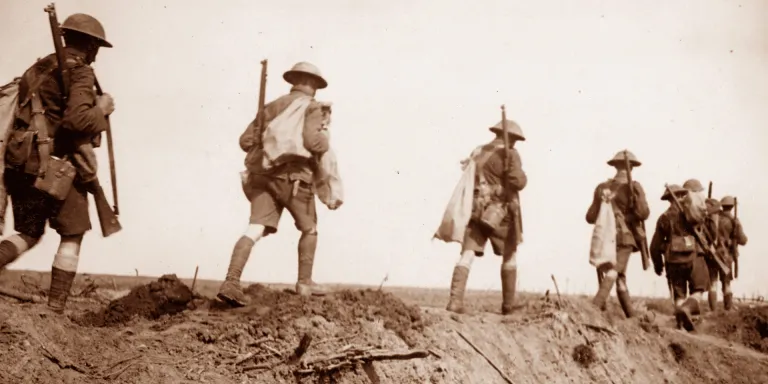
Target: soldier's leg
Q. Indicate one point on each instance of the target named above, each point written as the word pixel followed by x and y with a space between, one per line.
pixel 63 271
pixel 472 246
pixel 300 202
pixel 714 274
pixel 622 291
pixel 698 279
pixel 727 292
pixel 677 275
pixel 506 246
pixel 31 209
pixel 72 221
pixel 265 215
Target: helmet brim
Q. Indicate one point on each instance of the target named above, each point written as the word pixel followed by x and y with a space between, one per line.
pixel 499 132
pixel 633 163
pixel 102 42
pixel 290 77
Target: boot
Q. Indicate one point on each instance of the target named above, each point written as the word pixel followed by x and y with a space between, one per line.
pixel 626 303
pixel 604 291
pixel 458 286
pixel 685 312
pixel 61 283
pixel 305 286
pixel 508 286
pixel 728 301
pixel 230 291
pixel 712 298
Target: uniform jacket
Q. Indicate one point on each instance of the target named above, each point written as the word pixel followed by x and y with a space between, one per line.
pixel 670 226
pixel 75 123
pixel 627 220
pixel 730 232
pixel 314 135
pixel 490 187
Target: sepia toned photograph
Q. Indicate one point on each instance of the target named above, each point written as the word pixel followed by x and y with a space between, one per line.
pixel 354 192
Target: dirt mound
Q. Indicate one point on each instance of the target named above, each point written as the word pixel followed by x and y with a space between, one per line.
pixel 748 326
pixel 274 310
pixel 166 296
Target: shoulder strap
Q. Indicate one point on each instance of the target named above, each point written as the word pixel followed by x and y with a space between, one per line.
pixel 41 125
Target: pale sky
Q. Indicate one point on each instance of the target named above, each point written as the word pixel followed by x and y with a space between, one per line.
pixel 682 84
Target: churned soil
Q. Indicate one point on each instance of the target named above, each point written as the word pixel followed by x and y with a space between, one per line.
pixel 166 296
pixel 162 332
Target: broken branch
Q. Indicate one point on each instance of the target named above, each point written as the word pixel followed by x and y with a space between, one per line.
pixel 496 367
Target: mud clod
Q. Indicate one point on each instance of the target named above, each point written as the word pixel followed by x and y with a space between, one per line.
pixel 584 355
pixel 166 296
pixel 678 351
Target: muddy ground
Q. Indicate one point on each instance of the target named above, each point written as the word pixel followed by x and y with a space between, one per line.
pixel 160 331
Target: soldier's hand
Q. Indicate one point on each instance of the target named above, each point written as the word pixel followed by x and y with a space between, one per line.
pixel 659 269
pixel 106 103
pixel 334 205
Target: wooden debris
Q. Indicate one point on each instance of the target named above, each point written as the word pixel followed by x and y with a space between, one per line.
pixel 23 297
pixel 194 279
pixel 559 299
pixel 61 363
pixel 496 367
pixel 600 328
pixel 304 344
pixel 354 357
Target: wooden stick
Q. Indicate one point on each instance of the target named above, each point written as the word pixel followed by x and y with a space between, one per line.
pixel 194 279
pixel 559 299
pixel 503 375
pixel 23 297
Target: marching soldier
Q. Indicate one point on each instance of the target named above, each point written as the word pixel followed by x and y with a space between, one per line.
pixel 492 217
pixel 684 261
pixel 658 249
pixel 731 235
pixel 627 219
pixel 73 119
pixel 287 186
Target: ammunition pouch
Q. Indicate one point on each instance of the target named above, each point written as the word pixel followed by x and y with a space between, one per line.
pixel 682 244
pixel 19 151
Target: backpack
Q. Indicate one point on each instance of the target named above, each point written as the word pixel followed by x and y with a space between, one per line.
pixel 9 102
pixel 283 139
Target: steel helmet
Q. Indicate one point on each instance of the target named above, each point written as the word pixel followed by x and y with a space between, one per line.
pixel 306 69
pixel 620 158
pixel 676 189
pixel 513 129
pixel 693 185
pixel 728 201
pixel 86 24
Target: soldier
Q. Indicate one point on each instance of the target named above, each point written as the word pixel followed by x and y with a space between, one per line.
pixel 287 186
pixel 685 265
pixel 658 249
pixel 713 237
pixel 627 220
pixel 73 119
pixel 492 217
pixel 731 235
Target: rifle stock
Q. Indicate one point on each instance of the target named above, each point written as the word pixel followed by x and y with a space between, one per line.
pixel 709 191
pixel 262 94
pixel 710 252
pixel 107 218
pixel 639 227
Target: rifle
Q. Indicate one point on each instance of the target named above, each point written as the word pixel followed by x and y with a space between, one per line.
pixel 734 244
pixel 107 218
pixel 262 95
pixel 709 191
pixel 710 252
pixel 517 215
pixel 644 253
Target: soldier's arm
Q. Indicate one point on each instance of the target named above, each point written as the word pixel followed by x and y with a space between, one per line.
pixel 315 137
pixel 515 175
pixel 642 211
pixel 658 242
pixel 740 237
pixel 82 114
pixel 594 209
pixel 251 137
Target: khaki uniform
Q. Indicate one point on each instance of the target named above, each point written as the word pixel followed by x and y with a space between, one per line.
pixel 495 217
